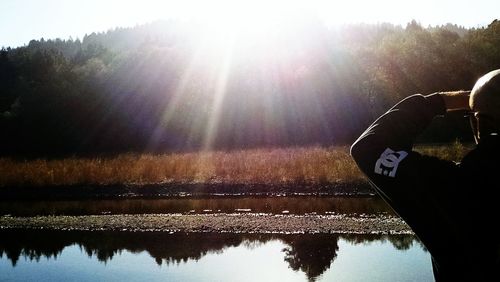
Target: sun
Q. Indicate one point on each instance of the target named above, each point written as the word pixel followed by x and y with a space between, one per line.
pixel 225 20
pixel 230 35
pixel 249 16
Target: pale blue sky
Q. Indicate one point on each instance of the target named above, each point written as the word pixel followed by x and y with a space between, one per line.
pixel 23 20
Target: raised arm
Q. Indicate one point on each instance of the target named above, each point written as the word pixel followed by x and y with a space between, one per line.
pixel 384 151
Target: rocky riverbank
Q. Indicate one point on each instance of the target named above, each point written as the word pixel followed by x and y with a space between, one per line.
pixel 223 223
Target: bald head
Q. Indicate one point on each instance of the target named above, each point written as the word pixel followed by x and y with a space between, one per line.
pixel 485 96
pixel 485 103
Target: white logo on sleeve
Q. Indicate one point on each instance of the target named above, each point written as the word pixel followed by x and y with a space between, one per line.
pixel 389 161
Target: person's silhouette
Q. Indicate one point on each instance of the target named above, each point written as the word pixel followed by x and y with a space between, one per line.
pixel 451 207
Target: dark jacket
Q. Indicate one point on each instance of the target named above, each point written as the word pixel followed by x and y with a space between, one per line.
pixel 451 207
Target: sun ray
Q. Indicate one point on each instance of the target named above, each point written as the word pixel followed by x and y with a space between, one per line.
pixel 171 108
pixel 219 94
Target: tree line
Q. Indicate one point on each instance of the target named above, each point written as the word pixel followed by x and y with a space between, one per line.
pixel 165 86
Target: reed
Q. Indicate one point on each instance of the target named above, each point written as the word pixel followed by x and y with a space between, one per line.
pixel 303 165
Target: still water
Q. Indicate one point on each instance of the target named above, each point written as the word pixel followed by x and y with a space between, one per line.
pixel 275 205
pixel 155 256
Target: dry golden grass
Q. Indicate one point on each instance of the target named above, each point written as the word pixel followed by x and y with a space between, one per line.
pixel 453 152
pixel 311 165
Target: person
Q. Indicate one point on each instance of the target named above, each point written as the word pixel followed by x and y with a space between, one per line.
pixel 451 207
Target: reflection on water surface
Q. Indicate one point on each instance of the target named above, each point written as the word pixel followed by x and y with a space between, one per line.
pixel 277 205
pixel 67 255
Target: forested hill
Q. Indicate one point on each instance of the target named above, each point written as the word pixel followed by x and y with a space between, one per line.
pixel 175 86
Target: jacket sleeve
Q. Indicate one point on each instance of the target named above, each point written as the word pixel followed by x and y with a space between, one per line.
pixel 407 180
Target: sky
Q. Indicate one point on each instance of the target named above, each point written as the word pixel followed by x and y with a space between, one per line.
pixel 23 20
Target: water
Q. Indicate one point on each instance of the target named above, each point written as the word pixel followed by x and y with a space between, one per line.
pixel 155 256
pixel 276 205
pixel 43 255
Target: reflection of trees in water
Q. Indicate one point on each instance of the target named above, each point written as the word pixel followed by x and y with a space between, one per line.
pixel 400 242
pixel 29 245
pixel 311 253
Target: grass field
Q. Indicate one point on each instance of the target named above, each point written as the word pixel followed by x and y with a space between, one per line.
pixel 307 165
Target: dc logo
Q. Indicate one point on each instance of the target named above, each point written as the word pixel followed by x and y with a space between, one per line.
pixel 389 161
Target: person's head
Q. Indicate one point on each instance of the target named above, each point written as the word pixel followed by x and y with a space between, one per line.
pixel 484 101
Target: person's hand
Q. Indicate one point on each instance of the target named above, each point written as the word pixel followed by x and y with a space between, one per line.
pixel 456 100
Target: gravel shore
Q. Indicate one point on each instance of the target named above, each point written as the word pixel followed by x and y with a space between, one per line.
pixel 221 222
